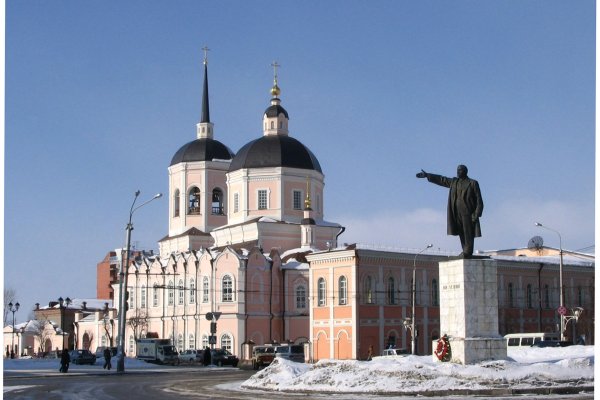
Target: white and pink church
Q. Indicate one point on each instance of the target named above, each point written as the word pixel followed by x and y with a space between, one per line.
pixel 248 241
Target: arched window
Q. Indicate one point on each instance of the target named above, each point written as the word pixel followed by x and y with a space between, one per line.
pixel 511 298
pixel 368 290
pixel 143 297
pixel 435 293
pixel 191 341
pixel 236 202
pixel 131 345
pixel 227 289
pixel 391 291
pixel 227 342
pixel 300 297
pixel 272 125
pixel 205 289
pixel 194 201
pixel 192 291
pixel 204 341
pixel 154 296
pixel 171 293
pixel 529 296
pixel 181 293
pixel 343 290
pixel 546 296
pixel 176 203
pixel 321 292
pixel 217 202
pixel 180 342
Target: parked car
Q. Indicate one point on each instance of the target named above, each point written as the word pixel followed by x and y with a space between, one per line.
pixel 391 353
pixel 81 356
pixel 262 356
pixel 551 343
pixel 100 352
pixel 294 352
pixel 220 357
pixel 191 356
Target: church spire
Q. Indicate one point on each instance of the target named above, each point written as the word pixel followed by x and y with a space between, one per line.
pixel 275 118
pixel 204 129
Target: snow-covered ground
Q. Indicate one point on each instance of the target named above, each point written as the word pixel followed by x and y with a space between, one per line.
pixel 525 368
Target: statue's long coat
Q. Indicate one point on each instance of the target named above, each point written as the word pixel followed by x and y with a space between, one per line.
pixel 472 197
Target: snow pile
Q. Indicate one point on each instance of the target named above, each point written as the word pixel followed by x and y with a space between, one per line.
pixel 525 368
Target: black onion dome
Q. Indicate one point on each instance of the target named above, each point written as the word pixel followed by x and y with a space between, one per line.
pixel 274 110
pixel 203 149
pixel 275 151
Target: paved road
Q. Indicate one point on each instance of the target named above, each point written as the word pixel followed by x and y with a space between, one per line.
pixel 166 384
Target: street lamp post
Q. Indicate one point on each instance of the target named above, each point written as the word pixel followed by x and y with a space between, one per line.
pixel 63 304
pixel 560 279
pixel 123 283
pixel 13 309
pixel 414 296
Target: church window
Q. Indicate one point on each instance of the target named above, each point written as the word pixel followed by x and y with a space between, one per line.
pixel 226 342
pixel 205 289
pixel 154 296
pixel 180 342
pixel 171 293
pixel 391 291
pixel 227 289
pixel 297 200
pixel 143 297
pixel 321 292
pixel 191 341
pixel 204 341
pixel 300 297
pixel 262 199
pixel 236 202
pixel 181 293
pixel 280 125
pixel 272 125
pixel 176 203
pixel 192 291
pixel 194 201
pixel 217 202
pixel 343 290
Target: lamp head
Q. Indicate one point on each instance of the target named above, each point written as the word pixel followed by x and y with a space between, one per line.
pixel 10 305
pixel 538 224
pixel 17 305
pixel 156 196
pixel 430 245
pixel 61 301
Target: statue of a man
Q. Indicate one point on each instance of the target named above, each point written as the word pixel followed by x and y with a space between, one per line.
pixel 465 206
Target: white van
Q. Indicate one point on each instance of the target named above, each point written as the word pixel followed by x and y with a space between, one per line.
pixel 294 352
pixel 529 339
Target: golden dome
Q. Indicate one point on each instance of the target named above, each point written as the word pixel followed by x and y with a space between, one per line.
pixel 275 90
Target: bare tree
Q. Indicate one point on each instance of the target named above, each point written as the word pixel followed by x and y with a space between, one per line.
pixel 138 322
pixel 109 326
pixel 90 336
pixel 10 296
pixel 38 327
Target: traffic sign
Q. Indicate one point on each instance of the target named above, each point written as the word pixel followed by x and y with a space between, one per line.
pixel 562 310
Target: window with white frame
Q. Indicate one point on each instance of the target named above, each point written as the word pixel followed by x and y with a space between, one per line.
pixel 301 297
pixel 192 291
pixel 180 342
pixel 154 296
pixel 131 344
pixel 171 293
pixel 262 199
pixel 176 203
pixel 205 289
pixel 236 202
pixel 321 292
pixel 181 293
pixel 130 302
pixel 143 297
pixel 191 341
pixel 368 290
pixel 204 341
pixel 227 289
pixel 227 342
pixel 194 201
pixel 297 200
pixel 343 290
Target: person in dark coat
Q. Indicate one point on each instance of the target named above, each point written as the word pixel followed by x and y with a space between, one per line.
pixel 65 359
pixel 206 357
pixel 107 356
pixel 465 206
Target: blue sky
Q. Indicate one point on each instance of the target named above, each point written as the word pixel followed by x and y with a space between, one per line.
pixel 100 95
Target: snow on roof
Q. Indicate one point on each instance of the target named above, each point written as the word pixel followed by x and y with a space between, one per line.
pixel 77 304
pixel 296 265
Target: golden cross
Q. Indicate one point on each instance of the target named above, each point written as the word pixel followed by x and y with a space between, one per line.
pixel 275 66
pixel 206 49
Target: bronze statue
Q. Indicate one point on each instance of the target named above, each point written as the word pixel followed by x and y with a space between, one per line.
pixel 465 206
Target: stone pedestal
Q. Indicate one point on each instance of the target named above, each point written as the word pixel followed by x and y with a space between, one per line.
pixel 469 310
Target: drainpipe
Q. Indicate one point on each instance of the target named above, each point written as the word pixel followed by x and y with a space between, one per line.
pixel 270 261
pixel 342 230
pixel 283 299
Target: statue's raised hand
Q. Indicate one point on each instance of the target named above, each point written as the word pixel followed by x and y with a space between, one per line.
pixel 422 174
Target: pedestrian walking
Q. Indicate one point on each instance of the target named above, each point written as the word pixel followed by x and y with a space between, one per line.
pixel 107 356
pixel 206 358
pixel 65 359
